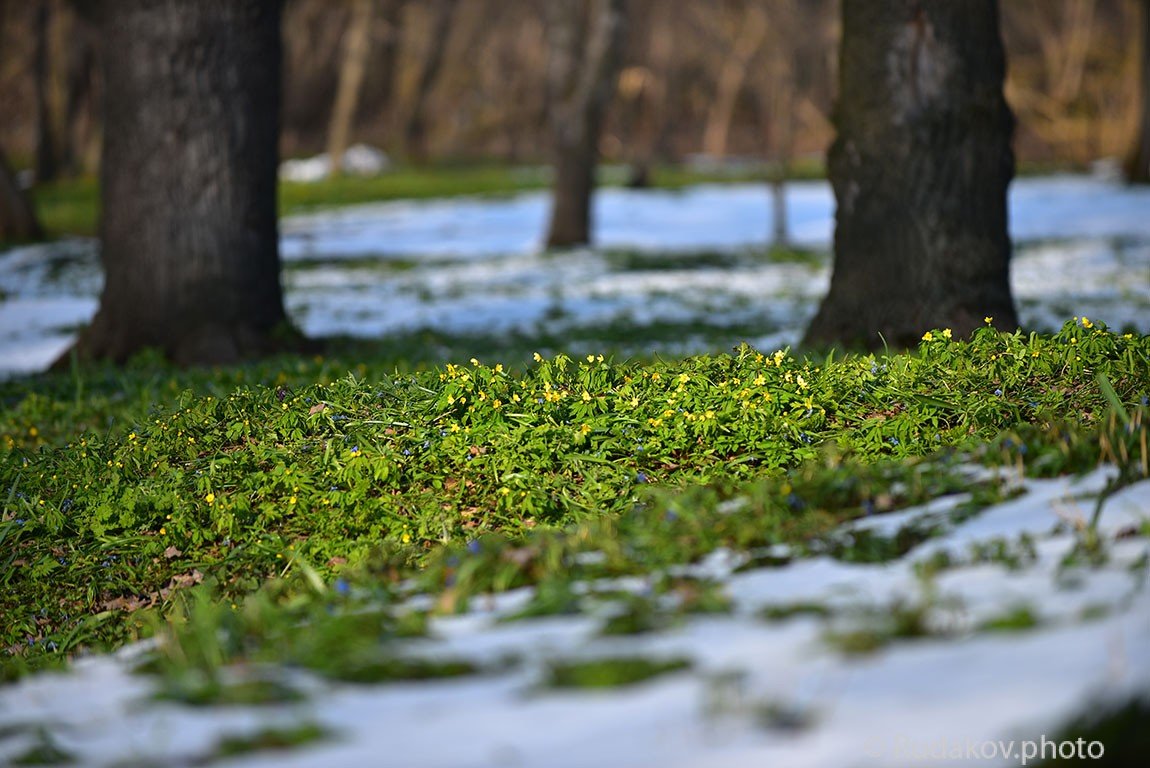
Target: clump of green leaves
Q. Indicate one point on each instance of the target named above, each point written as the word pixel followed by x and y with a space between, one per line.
pixel 609 672
pixel 121 489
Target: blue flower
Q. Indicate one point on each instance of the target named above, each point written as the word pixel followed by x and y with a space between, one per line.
pixel 342 587
pixel 640 477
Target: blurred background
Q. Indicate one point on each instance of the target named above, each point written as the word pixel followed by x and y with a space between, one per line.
pixel 465 80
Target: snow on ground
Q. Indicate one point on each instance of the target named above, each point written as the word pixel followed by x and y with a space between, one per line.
pixel 474 265
pixel 758 693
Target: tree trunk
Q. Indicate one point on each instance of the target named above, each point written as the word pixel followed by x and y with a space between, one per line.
pixel 356 49
pixel 584 48
pixel 188 180
pixel 1137 166
pixel 17 216
pixel 920 169
pixel 415 130
pixel 753 31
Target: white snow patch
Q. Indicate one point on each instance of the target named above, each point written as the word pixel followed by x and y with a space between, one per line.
pixel 963 687
pixel 474 265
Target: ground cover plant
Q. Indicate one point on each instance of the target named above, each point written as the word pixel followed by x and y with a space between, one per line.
pixel 290 488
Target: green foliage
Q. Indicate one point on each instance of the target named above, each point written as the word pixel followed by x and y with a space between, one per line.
pixel 123 488
pixel 609 672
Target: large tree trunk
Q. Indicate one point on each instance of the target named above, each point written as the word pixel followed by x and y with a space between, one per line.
pixel 920 170
pixel 1137 166
pixel 17 216
pixel 584 52
pixel 356 50
pixel 188 230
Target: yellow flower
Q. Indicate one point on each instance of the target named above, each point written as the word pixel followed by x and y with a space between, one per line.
pixel 585 428
pixel 504 491
pixel 499 367
pixel 132 436
pixel 988 319
pixel 586 396
pixel 928 336
pixel 405 538
pixel 210 498
pixel 1073 341
pixel 291 500
pixel 538 357
pixel 163 530
pixel 946 333
pixel 590 358
pixel 598 358
pixel 760 380
pixel 496 403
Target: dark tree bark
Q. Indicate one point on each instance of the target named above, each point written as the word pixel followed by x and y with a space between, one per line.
pixel 17 216
pixel 1137 166
pixel 188 180
pixel 584 37
pixel 920 169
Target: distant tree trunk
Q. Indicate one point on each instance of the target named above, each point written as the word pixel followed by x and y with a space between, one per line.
pixel 920 169
pixel 47 167
pixel 356 50
pixel 1137 166
pixel 731 78
pixel 780 167
pixel 651 117
pixel 17 216
pixel 388 26
pixel 415 130
pixel 584 40
pixel 188 180
pixel 80 144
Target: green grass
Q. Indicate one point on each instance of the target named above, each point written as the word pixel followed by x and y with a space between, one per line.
pixel 225 508
pixel 609 672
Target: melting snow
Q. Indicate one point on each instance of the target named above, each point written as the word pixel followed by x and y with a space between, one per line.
pixel 474 265
pixel 961 689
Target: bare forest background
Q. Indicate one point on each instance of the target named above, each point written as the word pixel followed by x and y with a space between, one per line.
pixel 462 80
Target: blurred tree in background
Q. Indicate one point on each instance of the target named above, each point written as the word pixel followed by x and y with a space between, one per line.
pixel 1137 166
pixel 584 38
